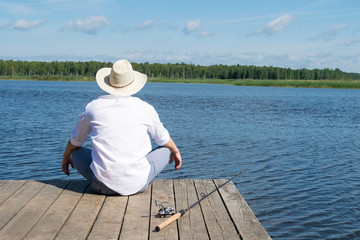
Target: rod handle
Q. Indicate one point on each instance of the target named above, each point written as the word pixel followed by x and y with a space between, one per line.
pixel 168 221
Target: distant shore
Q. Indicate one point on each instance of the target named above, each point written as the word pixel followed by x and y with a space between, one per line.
pixel 343 84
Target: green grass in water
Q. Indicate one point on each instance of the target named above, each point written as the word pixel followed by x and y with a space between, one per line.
pixel 236 82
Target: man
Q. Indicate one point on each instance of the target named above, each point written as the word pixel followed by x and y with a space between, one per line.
pixel 119 125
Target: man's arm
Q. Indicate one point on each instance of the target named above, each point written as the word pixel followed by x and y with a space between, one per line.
pixel 175 154
pixel 67 158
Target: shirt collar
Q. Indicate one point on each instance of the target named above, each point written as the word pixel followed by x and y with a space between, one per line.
pixel 109 96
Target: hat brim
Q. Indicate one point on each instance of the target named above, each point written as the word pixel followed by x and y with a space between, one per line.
pixel 102 79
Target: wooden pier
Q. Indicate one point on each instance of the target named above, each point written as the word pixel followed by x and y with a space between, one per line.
pixel 67 210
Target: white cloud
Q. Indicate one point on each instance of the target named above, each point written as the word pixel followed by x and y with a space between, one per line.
pixel 274 26
pixel 350 42
pixel 192 26
pixel 206 34
pixel 329 34
pixel 331 60
pixel 26 25
pixel 89 25
pixel 146 24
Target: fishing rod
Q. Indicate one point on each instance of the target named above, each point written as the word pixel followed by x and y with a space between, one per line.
pixel 182 212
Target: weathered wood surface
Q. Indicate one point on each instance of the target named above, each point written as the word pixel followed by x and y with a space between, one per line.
pixel 60 209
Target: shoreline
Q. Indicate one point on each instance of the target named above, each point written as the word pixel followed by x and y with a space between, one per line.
pixel 340 84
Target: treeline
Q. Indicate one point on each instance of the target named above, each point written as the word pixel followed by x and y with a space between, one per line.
pixel 177 70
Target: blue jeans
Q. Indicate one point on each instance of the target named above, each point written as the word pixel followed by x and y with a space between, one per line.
pixel 158 158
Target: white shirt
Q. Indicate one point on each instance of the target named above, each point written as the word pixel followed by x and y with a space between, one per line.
pixel 119 128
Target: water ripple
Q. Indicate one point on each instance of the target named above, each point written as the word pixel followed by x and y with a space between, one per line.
pixel 298 149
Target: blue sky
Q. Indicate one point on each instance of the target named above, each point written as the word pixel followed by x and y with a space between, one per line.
pixel 284 33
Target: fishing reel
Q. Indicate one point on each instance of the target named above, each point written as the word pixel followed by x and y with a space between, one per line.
pixel 164 209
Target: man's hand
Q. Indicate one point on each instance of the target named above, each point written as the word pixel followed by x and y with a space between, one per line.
pixel 65 164
pixel 177 157
pixel 175 154
pixel 67 158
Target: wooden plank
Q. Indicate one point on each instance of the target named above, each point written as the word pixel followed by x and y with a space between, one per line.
pixel 136 220
pixel 162 190
pixel 245 220
pixel 45 211
pixel 216 217
pixel 32 212
pixel 10 207
pixel 9 187
pixel 191 224
pixel 51 222
pixel 109 221
pixel 80 221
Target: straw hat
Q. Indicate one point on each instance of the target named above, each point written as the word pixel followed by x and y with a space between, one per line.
pixel 121 79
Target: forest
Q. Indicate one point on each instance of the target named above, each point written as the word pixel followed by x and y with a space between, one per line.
pixel 173 70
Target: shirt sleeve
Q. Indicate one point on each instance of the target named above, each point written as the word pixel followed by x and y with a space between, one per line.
pixel 81 130
pixel 157 131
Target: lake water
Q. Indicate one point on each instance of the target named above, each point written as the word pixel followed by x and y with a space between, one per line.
pixel 298 148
